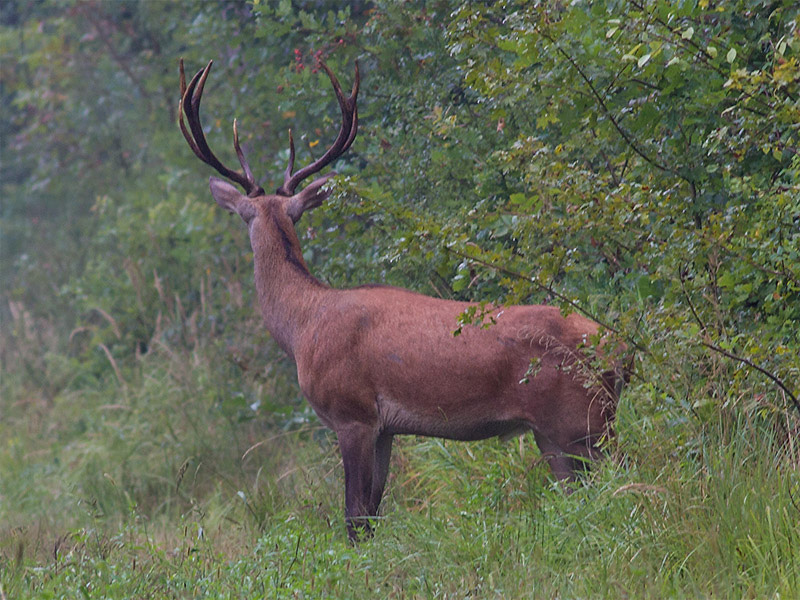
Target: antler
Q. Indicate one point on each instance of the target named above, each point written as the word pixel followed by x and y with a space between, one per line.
pixel 343 141
pixel 190 106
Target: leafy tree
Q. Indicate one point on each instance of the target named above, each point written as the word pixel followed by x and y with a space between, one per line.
pixel 636 161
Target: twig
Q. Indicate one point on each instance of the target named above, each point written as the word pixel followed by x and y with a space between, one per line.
pixel 113 362
pixel 550 290
pixel 706 56
pixel 733 252
pixel 691 304
pixel 624 134
pixel 752 365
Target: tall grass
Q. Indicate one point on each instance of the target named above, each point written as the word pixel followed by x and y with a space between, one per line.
pixel 172 485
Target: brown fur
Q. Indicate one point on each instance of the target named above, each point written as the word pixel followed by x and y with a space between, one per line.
pixel 378 361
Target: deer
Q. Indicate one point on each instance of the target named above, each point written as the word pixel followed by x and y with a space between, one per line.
pixel 377 361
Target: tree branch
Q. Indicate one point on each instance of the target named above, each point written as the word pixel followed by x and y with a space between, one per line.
pixel 549 289
pixel 624 134
pixel 752 365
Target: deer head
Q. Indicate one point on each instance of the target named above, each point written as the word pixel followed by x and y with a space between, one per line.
pixel 225 194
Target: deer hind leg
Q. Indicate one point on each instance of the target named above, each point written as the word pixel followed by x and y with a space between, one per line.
pixel 357 443
pixel 567 459
pixel 561 463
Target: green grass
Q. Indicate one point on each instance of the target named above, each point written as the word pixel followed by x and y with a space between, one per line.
pixel 140 490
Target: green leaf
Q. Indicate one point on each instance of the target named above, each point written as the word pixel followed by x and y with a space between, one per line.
pixel 459 283
pixel 726 280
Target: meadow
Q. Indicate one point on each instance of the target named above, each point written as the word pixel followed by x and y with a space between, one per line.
pixel 636 162
pixel 150 488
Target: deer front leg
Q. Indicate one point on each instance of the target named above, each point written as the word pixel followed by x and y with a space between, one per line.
pixel 357 443
pixel 383 453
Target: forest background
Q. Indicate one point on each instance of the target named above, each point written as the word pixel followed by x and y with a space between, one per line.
pixel 636 161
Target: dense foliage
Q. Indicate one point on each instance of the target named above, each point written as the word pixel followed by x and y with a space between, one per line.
pixel 636 161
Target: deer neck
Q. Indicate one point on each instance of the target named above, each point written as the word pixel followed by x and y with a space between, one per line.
pixel 288 294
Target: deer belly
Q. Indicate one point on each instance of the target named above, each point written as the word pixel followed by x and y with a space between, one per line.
pixel 472 422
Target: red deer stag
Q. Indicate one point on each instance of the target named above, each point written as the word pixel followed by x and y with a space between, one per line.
pixel 378 361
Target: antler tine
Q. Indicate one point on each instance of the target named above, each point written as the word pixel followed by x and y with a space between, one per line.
pixel 240 155
pixel 190 106
pixel 191 96
pixel 185 132
pixel 343 141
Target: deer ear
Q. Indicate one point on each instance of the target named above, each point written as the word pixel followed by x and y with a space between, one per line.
pixel 229 198
pixel 311 197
